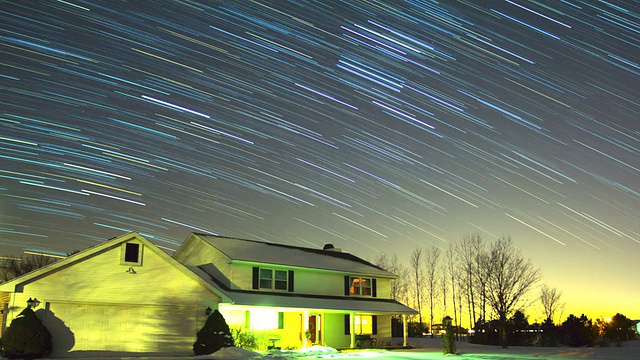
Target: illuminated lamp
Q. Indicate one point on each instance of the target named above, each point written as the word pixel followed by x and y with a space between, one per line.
pixel 33 303
pixel 208 311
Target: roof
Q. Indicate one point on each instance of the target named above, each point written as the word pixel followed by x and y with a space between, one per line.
pixel 325 303
pixel 271 253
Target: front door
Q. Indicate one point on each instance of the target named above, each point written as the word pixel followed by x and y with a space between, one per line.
pixel 315 329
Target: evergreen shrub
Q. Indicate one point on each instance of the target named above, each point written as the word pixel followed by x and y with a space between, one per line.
pixel 26 337
pixel 448 338
pixel 213 336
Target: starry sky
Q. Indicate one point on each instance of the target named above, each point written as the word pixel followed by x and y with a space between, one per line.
pixel 378 126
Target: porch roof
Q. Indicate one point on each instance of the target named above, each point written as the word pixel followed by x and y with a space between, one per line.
pixel 320 303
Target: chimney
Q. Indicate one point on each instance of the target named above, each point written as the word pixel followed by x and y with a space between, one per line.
pixel 329 247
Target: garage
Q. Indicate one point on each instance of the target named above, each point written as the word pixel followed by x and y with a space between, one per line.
pixel 120 328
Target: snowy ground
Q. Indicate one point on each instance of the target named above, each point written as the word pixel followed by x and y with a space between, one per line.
pixel 423 349
pixel 429 349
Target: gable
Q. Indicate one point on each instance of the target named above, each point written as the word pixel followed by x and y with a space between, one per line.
pixel 128 269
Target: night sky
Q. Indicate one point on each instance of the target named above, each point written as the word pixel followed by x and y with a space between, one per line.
pixel 378 126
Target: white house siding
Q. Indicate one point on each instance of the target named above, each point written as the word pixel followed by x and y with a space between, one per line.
pixel 384 329
pixel 196 252
pixel 97 296
pixel 306 281
pixel 334 331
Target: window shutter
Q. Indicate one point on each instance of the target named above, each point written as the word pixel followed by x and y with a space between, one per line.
pixel 347 285
pixel 374 290
pixel 290 281
pixel 374 324
pixel 347 324
pixel 256 277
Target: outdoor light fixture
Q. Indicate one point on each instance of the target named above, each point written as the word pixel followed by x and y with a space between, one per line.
pixel 130 270
pixel 208 311
pixel 33 303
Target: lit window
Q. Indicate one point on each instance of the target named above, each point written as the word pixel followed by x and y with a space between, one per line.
pixel 274 279
pixel 360 286
pixel 263 319
pixel 364 324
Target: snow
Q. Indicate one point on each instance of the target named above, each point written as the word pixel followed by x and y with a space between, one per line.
pixel 429 349
pixel 232 353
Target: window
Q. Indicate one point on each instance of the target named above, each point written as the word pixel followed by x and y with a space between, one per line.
pixel 131 254
pixel 364 324
pixel 360 286
pixel 273 279
pixel 280 320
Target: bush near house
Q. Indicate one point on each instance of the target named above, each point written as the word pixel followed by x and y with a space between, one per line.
pixel 26 337
pixel 247 340
pixel 213 336
pixel 254 340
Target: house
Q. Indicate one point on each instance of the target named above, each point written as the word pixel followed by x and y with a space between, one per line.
pixel 127 296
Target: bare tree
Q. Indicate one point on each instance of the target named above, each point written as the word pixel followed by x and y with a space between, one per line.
pixel 417 274
pixel 400 285
pixel 431 270
pixel 458 295
pixel 482 273
pixel 510 279
pixel 550 299
pixel 13 267
pixel 444 284
pixel 466 252
pixel 451 275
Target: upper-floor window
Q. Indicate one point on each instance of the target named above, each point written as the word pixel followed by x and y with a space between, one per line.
pixel 131 253
pixel 360 286
pixel 272 279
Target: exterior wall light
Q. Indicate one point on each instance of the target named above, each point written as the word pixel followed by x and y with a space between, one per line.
pixel 130 270
pixel 33 303
pixel 208 311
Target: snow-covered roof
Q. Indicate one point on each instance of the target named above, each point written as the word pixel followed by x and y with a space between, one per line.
pixel 270 253
pixel 301 301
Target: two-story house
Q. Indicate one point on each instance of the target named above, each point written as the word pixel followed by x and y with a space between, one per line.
pixel 127 296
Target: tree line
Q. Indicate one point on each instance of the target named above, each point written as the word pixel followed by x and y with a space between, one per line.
pixel 484 284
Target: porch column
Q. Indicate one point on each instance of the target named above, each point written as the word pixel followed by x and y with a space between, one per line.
pixel 352 325
pixel 404 330
pixel 305 328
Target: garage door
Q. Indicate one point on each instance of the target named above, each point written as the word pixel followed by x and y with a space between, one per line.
pixel 121 328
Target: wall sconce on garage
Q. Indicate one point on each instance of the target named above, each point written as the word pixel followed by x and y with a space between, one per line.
pixel 208 311
pixel 130 270
pixel 33 303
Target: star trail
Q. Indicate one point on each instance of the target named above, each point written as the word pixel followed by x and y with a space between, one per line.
pixel 378 126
